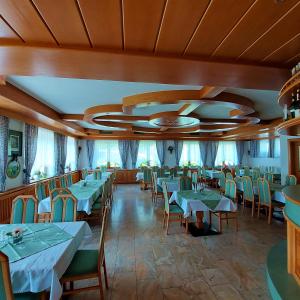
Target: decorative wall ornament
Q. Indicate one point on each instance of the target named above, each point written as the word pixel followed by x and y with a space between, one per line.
pixel 13 167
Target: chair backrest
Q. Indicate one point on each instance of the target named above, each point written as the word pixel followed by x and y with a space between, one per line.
pixel 173 172
pixel 222 180
pixel 69 179
pixel 237 171
pixel 195 177
pixel 104 194
pixel 248 188
pixel 40 191
pixel 63 181
pixel 154 182
pixel 84 173
pixel 161 172
pixel 269 177
pixel 24 210
pixel 246 171
pixel 102 239
pixel 147 175
pixel 103 168
pixel 264 194
pixel 255 174
pixel 154 168
pixel 230 189
pixel 229 176
pixel 97 174
pixel 291 180
pixel 166 197
pixel 185 171
pixel 63 208
pixel 185 183
pixel 51 185
pixel 59 191
pixel 5 282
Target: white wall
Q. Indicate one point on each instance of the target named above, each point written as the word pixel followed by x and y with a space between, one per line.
pixel 12 183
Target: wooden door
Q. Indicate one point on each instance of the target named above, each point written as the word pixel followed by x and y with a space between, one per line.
pixel 294 159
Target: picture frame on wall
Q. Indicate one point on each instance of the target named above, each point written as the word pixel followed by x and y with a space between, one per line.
pixel 15 143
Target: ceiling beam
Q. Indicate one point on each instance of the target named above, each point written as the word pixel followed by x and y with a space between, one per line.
pixel 136 67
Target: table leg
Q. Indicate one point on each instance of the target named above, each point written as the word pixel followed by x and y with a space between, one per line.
pixel 199 219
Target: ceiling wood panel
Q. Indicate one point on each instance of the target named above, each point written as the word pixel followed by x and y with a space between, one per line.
pixel 285 52
pixel 104 22
pixel 279 34
pixel 179 17
pixel 216 24
pixel 7 35
pixel 64 21
pixel 22 17
pixel 258 20
pixel 293 60
pixel 142 21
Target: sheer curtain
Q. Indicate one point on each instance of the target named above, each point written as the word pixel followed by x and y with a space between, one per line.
pixel 71 153
pixel 147 154
pixel 106 151
pixel 264 148
pixel 190 153
pixel 226 153
pixel 44 160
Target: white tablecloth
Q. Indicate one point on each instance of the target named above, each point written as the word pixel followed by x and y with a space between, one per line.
pixel 190 205
pixel 104 176
pixel 43 270
pixel 172 184
pixel 212 173
pixel 139 176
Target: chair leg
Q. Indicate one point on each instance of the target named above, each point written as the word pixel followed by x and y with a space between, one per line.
pixel 100 287
pixel 186 226
pixel 243 203
pixel 167 231
pixel 253 208
pixel 227 218
pixel 258 209
pixel 270 214
pixel 105 273
pixel 220 222
pixel 164 223
pixel 209 218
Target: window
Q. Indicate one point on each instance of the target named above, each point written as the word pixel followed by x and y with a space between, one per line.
pixel 147 154
pixel 43 166
pixel 190 154
pixel 71 154
pixel 263 148
pixel 226 153
pixel 277 148
pixel 106 151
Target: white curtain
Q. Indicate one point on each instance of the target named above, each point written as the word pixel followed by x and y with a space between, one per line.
pixel 71 153
pixel 227 153
pixel 44 160
pixel 106 151
pixel 190 153
pixel 264 148
pixel 147 154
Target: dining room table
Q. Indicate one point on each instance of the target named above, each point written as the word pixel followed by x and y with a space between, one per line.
pixel 104 176
pixel 213 174
pixel 41 257
pixel 85 191
pixel 172 183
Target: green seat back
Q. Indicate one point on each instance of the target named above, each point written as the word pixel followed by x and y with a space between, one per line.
pixel 155 168
pixel 255 174
pixel 161 173
pixel 222 180
pixel 166 197
pixel 63 181
pixel 195 177
pixel 147 175
pixel 230 189
pixel 264 191
pixel 248 188
pixel 19 205
pixel 52 184
pixel 103 168
pixel 291 180
pixel 40 191
pixel 237 171
pixel 185 171
pixel 246 171
pixel 84 173
pixel 69 179
pixel 173 172
pixel 97 174
pixel 229 176
pixel 63 209
pixel 269 177
pixel 185 183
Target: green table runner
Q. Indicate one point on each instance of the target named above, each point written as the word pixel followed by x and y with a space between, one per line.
pixel 92 189
pixel 36 238
pixel 210 198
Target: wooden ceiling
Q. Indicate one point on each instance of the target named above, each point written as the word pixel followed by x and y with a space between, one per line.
pixel 261 31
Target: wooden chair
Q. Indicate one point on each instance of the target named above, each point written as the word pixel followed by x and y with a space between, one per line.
pixel 246 171
pixel 64 208
pixel 161 172
pixel 248 194
pixel 230 192
pixel 154 168
pixel 173 172
pixel 264 199
pixel 84 174
pixel 87 264
pixel 40 191
pixel 51 185
pixel 172 213
pixel 229 176
pixel 157 190
pixel 268 177
pixel 185 171
pixel 147 178
pixel 237 171
pixel 6 292
pixel 291 180
pixel 63 181
pixel 69 179
pixel 255 174
pixel 185 183
pixel 222 182
pixel 59 191
pixel 24 210
pixel 195 179
pixel 97 174
pixel 99 205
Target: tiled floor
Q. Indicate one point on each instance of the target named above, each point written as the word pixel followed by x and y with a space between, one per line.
pixel 144 263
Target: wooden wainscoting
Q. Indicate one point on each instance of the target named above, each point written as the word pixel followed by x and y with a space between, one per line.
pixel 7 197
pixel 126 176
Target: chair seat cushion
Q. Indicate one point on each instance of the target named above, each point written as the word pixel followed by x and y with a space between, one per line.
pixel 27 296
pixel 84 262
pixel 175 209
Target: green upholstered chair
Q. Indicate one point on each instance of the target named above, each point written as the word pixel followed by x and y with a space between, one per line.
pixel 291 180
pixel 195 179
pixel 84 174
pixel 185 171
pixel 97 174
pixel 255 174
pixel 246 171
pixel 265 200
pixel 24 210
pixel 229 176
pixel 69 179
pixel 172 213
pixel 103 169
pixel 268 177
pixel 63 181
pixel 157 190
pixel 100 203
pixel 147 178
pixel 229 192
pixel 173 172
pixel 161 173
pixel 248 194
pixel 51 185
pixel 185 183
pixel 40 191
pixel 237 171
pixel 154 168
pixel 6 292
pixel 88 264
pixel 222 180
pixel 63 208
pixel 59 191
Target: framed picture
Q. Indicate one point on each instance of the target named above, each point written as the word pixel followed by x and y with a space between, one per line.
pixel 15 141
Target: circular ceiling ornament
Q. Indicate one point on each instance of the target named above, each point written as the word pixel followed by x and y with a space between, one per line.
pixel 172 120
